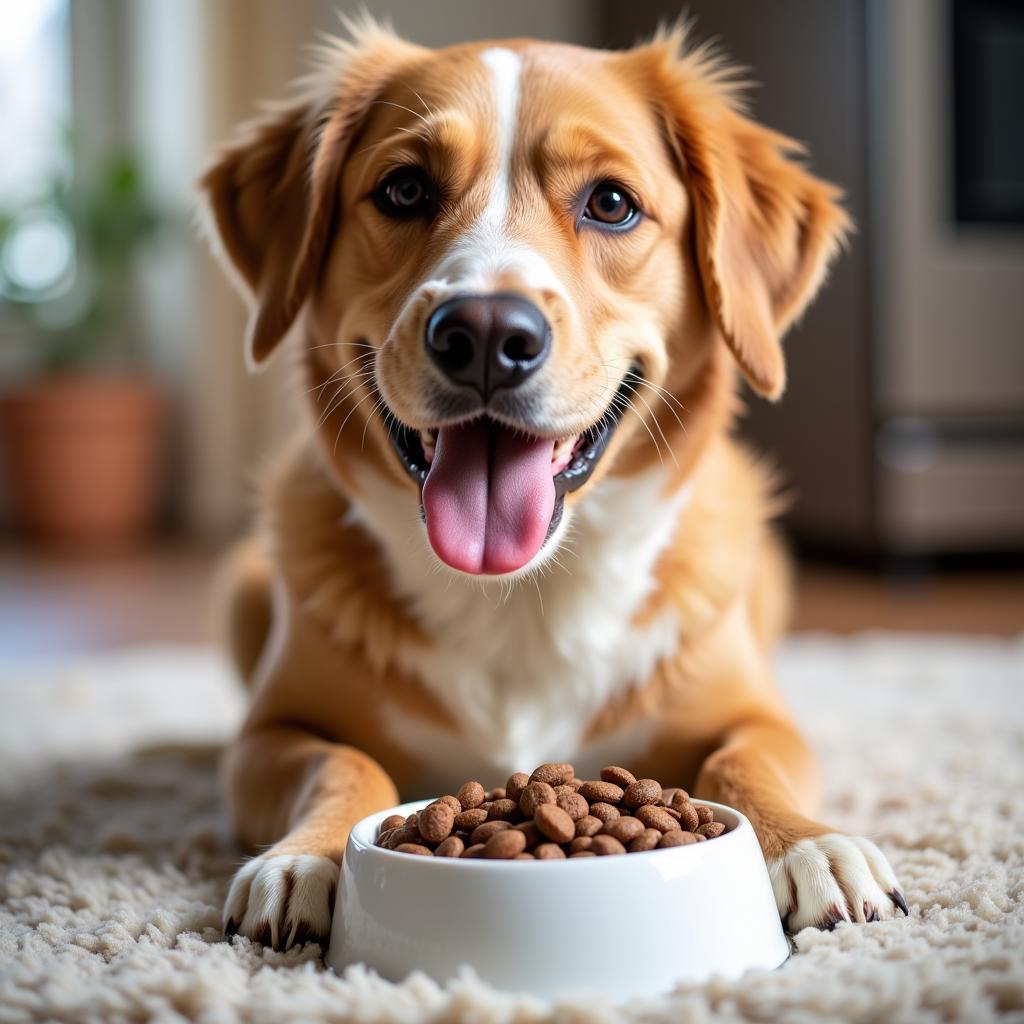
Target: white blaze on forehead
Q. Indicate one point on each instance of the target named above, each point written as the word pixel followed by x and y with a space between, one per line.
pixel 505 67
pixel 486 251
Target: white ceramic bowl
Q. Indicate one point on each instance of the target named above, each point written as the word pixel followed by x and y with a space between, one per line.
pixel 625 926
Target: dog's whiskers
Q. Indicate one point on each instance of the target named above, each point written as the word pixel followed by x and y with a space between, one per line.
pixel 337 436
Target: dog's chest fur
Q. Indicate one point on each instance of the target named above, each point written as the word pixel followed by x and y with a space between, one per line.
pixel 523 667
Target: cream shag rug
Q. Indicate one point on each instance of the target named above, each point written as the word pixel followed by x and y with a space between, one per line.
pixel 114 858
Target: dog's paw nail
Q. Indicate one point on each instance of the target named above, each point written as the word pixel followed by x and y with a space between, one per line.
pixel 836 915
pixel 870 912
pixel 231 928
pixel 901 901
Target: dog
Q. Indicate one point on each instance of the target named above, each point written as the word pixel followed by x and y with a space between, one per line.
pixel 523 280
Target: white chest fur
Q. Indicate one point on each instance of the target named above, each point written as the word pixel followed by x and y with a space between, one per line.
pixel 523 666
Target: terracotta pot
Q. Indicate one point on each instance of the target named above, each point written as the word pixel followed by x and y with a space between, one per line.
pixel 83 458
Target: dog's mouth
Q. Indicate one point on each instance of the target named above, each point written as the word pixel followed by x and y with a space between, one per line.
pixel 492 493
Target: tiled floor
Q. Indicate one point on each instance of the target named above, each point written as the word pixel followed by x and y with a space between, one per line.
pixel 55 605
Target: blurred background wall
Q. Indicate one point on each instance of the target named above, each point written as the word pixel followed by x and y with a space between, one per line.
pixel 903 429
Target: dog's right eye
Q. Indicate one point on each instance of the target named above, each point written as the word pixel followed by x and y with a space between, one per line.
pixel 405 194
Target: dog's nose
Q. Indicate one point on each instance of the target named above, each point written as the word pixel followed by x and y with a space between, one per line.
pixel 488 341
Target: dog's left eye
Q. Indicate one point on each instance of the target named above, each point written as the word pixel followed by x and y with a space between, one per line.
pixel 406 193
pixel 610 204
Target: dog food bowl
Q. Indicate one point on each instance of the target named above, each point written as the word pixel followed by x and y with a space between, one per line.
pixel 625 926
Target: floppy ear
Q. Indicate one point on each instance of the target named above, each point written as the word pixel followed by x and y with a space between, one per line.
pixel 765 228
pixel 272 192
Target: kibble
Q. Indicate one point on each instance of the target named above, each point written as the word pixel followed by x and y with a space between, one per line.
pixel 555 823
pixel 505 845
pixel 535 794
pixel 603 812
pixel 573 804
pixel 468 820
pixel 503 810
pixel 620 777
pixel 471 795
pixel 553 774
pixel 656 817
pixel 642 792
pixel 435 822
pixel 689 818
pixel 517 782
pixel 602 792
pixel 625 829
pixel 453 846
pixel 550 814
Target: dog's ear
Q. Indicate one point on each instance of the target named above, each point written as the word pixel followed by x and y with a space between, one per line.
pixel 272 193
pixel 765 229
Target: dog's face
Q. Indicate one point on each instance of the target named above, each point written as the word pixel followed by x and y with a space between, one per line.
pixel 504 249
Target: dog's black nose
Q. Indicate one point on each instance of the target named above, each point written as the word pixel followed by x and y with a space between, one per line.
pixel 488 341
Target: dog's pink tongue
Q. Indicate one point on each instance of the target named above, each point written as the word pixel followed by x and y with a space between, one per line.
pixel 488 497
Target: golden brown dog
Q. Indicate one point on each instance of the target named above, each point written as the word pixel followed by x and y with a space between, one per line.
pixel 515 528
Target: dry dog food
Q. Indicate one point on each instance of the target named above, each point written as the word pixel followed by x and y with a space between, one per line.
pixel 552 815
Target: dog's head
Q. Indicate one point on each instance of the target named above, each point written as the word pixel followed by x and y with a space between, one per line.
pixel 519 261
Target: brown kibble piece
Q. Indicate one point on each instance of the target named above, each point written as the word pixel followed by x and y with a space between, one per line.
pixel 655 817
pixel 390 822
pixel 504 845
pixel 452 801
pixel 588 825
pixel 517 782
pixel 603 811
pixel 484 832
pixel 420 851
pixel 524 856
pixel 535 794
pixel 618 776
pixel 503 810
pixel 625 829
pixel 641 793
pixel 581 843
pixel 435 822
pixel 476 850
pixel 582 853
pixel 688 817
pixel 553 773
pixel 555 823
pixel 712 830
pixel 575 783
pixel 498 793
pixel 704 814
pixel 681 799
pixel 468 820
pixel 647 840
pixel 601 792
pixel 471 795
pixel 603 846
pixel 549 851
pixel 532 833
pixel 453 846
pixel 573 804
pixel 677 837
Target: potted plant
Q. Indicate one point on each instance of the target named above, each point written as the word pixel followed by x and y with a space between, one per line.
pixel 82 419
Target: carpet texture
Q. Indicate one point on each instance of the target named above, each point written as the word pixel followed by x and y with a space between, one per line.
pixel 114 858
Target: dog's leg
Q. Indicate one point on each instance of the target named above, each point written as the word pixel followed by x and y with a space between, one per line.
pixel 286 782
pixel 819 875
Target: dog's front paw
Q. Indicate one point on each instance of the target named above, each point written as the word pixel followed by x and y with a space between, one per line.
pixel 282 899
pixel 833 878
